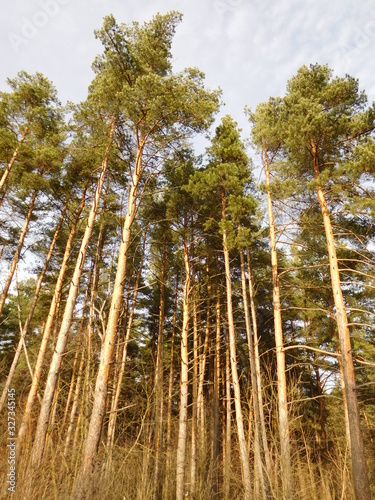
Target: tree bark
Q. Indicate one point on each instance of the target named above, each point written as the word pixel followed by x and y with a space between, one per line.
pixel 184 381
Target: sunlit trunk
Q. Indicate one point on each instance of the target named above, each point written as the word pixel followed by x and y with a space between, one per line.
pixel 31 311
pixel 54 371
pixel 17 253
pixel 101 386
pixel 48 329
pixel 359 466
pixel 12 161
pixel 285 455
pixel 244 454
pixel 184 381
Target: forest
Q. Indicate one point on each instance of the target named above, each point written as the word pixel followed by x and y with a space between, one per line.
pixel 176 325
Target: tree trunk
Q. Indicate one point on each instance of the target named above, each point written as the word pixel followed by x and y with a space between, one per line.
pixel 216 432
pixel 202 370
pixel 359 466
pixel 101 387
pixel 285 456
pixel 227 456
pixel 184 381
pixel 257 366
pixel 170 391
pixel 73 384
pixel 74 370
pixel 45 411
pixel 31 311
pixel 321 401
pixel 244 454
pixel 345 403
pixel 159 379
pixel 87 387
pixel 17 253
pixel 194 413
pixel 12 160
pixel 75 402
pixel 260 465
pixel 48 328
pixel 129 323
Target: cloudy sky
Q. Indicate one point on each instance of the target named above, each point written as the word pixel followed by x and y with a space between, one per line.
pixel 249 48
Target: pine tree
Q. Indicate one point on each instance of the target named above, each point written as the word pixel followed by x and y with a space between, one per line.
pixel 267 140
pixel 226 177
pixel 157 107
pixel 325 119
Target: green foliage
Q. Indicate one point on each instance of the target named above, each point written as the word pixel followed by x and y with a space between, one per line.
pixel 223 185
pixel 136 67
pixel 31 112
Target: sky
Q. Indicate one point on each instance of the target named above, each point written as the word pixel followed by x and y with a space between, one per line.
pixel 248 48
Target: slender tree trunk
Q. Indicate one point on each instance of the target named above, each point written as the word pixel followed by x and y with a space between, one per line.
pixel 101 387
pixel 129 324
pixel 118 381
pixel 17 253
pixel 31 311
pixel 169 443
pixel 359 466
pixel 12 161
pixel 73 378
pixel 345 403
pixel 184 381
pixel 322 420
pixel 285 456
pixel 227 456
pixel 342 381
pixel 54 371
pixel 257 366
pixel 202 370
pixel 47 329
pixel 73 384
pixel 159 378
pixel 216 432
pixel 194 413
pixel 260 465
pixel 244 454
pixel 75 403
pixel 91 322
